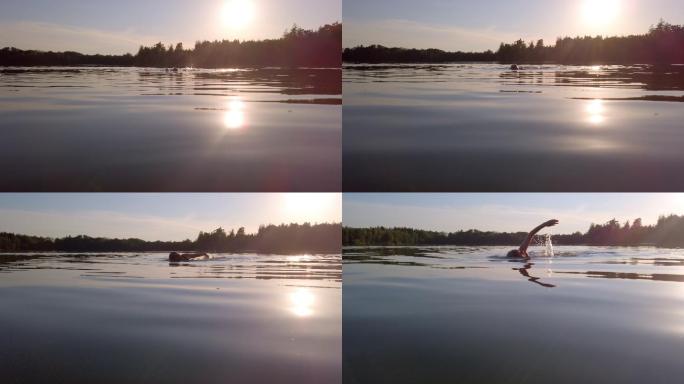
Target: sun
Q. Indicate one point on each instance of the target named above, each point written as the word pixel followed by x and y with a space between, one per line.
pixel 673 202
pixel 600 13
pixel 311 207
pixel 238 14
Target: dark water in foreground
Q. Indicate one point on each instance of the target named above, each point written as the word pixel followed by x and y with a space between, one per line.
pixel 144 129
pixel 469 315
pixel 482 127
pixel 133 318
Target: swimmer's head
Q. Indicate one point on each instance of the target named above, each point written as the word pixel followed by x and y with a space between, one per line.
pixel 515 253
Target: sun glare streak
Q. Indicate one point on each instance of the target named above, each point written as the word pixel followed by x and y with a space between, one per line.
pixel 234 117
pixel 238 14
pixel 301 302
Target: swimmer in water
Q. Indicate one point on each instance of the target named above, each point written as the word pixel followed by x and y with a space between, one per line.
pixel 522 251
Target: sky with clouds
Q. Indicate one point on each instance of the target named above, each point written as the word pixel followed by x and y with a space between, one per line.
pixel 159 216
pixel 504 212
pixel 479 25
pixel 115 27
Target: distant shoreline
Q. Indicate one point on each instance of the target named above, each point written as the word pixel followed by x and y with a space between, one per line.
pixel 661 45
pixel 668 232
pixel 273 239
pixel 296 48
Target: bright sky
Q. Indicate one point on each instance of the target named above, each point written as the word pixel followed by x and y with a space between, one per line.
pixel 504 212
pixel 479 25
pixel 105 26
pixel 160 216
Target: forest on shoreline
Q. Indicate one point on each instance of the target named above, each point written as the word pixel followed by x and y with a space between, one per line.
pixel 284 238
pixel 668 232
pixel 296 48
pixel 663 44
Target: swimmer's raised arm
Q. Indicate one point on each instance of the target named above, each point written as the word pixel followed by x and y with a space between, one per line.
pixel 522 251
pixel 530 236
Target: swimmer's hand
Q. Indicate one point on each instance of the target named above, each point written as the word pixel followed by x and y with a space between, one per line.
pixel 551 223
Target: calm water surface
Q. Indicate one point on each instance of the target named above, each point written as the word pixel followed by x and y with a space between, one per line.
pixel 135 318
pixel 143 129
pixel 470 315
pixel 482 127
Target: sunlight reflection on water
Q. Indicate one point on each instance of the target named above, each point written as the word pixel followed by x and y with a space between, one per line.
pixel 234 118
pixel 301 302
pixel 147 129
pixel 596 111
pixel 469 127
pixel 131 314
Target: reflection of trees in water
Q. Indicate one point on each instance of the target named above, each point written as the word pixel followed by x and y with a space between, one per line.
pixel 297 81
pixel 49 261
pixel 647 77
pixel 428 257
pixel 528 266
pixel 629 275
pixel 260 267
pixel 385 255
pixel 320 268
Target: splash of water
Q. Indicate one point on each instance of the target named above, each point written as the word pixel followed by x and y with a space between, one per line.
pixel 548 246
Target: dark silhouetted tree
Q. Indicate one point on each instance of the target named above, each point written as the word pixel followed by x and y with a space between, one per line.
pixel 296 48
pixel 663 44
pixel 285 238
pixel 668 232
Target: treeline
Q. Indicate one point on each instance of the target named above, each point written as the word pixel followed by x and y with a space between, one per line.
pixel 663 44
pixel 272 238
pixel 667 232
pixel 375 54
pixel 285 238
pixel 296 48
pixel 13 57
pixel 381 236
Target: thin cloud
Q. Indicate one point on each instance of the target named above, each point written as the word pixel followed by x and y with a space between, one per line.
pixel 179 219
pixel 412 34
pixel 101 224
pixel 56 37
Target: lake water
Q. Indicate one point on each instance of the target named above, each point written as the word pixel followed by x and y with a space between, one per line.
pixel 470 315
pixel 135 318
pixel 144 129
pixel 483 127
